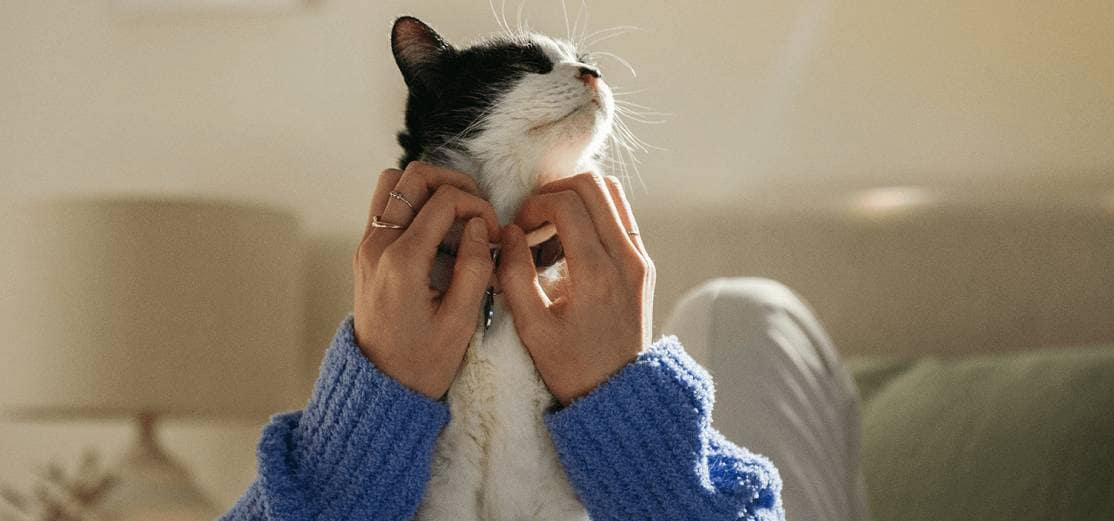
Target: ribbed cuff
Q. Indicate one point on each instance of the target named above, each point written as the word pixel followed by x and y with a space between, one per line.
pixel 639 446
pixel 362 438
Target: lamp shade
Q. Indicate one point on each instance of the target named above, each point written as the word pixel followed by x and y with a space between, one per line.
pixel 164 307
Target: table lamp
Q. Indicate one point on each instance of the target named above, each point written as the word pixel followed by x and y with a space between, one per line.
pixel 148 309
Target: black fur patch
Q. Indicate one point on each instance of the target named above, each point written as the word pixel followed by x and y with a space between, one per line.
pixel 454 89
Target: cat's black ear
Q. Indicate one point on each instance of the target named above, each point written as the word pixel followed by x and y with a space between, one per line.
pixel 418 50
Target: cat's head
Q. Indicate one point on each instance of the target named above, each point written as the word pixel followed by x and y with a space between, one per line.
pixel 515 110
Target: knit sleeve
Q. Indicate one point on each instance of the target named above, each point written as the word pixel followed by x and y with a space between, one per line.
pixel 361 449
pixel 641 446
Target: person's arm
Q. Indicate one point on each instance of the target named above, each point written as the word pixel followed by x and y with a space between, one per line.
pixel 361 449
pixel 641 446
pixel 635 436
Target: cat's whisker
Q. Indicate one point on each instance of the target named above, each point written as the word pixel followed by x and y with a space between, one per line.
pixel 619 59
pixel 603 35
pixel 577 30
pixel 619 94
pixel 626 158
pixel 639 110
pixel 495 14
pixel 523 24
pixel 615 158
pixel 599 32
pixel 568 28
pixel 644 120
pixel 626 153
pixel 630 103
pixel 635 172
pixel 634 140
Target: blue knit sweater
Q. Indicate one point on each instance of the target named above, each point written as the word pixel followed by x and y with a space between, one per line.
pixel 639 447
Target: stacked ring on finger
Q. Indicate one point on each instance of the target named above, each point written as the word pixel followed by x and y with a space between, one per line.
pixel 398 195
pixel 378 222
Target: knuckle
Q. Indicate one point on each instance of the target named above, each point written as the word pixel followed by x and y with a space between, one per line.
pixel 358 253
pixel 363 253
pixel 591 182
pixel 445 193
pixel 649 270
pixel 638 269
pixel 415 167
pixel 475 266
pixel 566 199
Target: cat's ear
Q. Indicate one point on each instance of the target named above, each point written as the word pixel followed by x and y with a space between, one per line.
pixel 418 51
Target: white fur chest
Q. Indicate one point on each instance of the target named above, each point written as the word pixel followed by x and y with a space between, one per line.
pixel 495 461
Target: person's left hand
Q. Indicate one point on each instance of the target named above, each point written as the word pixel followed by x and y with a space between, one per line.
pixel 599 319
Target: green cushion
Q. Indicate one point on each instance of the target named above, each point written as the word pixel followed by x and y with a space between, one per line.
pixel 1021 436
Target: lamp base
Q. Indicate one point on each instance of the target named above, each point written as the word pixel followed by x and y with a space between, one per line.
pixel 152 486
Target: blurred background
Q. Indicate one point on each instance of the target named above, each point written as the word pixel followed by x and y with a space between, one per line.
pixel 934 177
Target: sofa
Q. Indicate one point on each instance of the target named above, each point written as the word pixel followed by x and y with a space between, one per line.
pixel 1015 436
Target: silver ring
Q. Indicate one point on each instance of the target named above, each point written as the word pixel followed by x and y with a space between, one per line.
pixel 378 222
pixel 633 233
pixel 400 197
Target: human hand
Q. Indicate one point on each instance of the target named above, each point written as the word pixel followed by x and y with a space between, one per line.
pixel 599 319
pixel 409 330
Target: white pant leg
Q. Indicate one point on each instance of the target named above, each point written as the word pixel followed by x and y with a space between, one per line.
pixel 781 390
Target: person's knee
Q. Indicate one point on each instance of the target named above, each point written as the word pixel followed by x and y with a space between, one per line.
pixel 721 305
pixel 740 295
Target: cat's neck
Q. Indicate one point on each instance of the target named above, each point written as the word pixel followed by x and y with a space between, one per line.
pixel 506 179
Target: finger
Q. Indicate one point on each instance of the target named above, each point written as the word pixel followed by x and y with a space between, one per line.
pixel 625 212
pixel 518 278
pixel 605 217
pixel 583 250
pixel 471 273
pixel 620 198
pixel 387 181
pixel 420 240
pixel 418 182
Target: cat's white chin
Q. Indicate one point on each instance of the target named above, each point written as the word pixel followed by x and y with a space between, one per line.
pixel 591 109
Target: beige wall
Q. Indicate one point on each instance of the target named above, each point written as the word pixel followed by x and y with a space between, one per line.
pixel 781 108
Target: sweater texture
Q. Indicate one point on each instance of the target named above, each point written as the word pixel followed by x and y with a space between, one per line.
pixel 638 447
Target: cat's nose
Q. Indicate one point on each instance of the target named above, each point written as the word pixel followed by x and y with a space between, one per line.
pixel 588 75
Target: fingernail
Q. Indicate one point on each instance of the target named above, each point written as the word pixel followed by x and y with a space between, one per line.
pixel 475 229
pixel 512 233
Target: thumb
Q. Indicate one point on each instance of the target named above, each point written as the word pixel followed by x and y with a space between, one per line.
pixel 471 273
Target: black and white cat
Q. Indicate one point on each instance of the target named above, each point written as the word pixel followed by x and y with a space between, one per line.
pixel 513 111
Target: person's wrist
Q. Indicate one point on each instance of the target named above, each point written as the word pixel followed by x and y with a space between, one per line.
pixel 591 378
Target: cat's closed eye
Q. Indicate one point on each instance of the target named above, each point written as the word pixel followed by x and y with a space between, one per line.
pixel 535 66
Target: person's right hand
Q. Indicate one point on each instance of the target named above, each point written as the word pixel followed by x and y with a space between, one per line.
pixel 409 330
